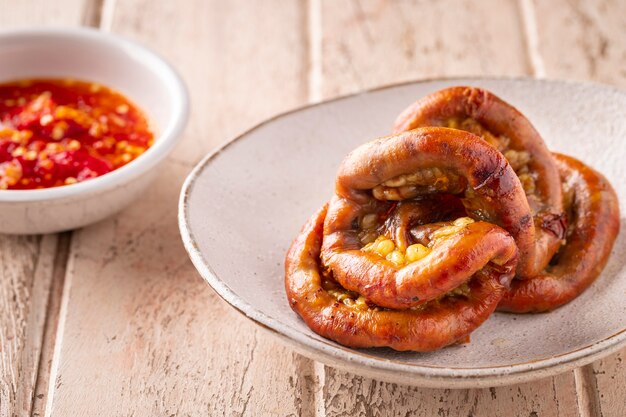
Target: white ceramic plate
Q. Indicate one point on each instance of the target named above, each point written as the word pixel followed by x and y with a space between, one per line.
pixel 242 206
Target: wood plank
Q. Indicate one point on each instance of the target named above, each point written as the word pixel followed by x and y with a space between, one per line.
pixel 25 272
pixel 26 262
pixel 608 379
pixel 372 43
pixel 586 40
pixel 140 324
pixel 583 40
pixel 368 43
pixel 32 13
pixel 346 394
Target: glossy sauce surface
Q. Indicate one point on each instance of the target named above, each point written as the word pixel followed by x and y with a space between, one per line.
pixel 56 132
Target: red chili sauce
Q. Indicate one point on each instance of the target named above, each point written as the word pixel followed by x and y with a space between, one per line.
pixel 59 132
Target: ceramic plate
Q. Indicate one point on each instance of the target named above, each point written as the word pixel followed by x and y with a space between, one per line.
pixel 242 206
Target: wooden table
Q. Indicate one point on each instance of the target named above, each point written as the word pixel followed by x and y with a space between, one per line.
pixel 113 320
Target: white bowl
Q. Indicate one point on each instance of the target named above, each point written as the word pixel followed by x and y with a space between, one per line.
pixel 138 73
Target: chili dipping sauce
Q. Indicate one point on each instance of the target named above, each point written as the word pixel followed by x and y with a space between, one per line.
pixel 57 132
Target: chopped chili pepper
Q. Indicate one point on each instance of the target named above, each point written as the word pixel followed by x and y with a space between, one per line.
pixel 59 132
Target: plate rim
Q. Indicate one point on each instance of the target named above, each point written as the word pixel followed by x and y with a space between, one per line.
pixel 361 362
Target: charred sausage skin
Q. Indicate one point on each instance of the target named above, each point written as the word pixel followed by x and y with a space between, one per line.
pixel 463 165
pixel 593 211
pixel 435 325
pixel 509 131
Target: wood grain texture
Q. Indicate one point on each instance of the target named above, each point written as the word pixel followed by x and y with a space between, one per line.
pixel 586 40
pixel 345 394
pixel 241 65
pixel 33 13
pixel 369 43
pixel 25 279
pixel 608 378
pixel 26 262
pixel 143 334
pixel 372 43
pixel 46 367
pixel 583 40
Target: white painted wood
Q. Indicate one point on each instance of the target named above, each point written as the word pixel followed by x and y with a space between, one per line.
pixel 372 43
pixel 25 280
pixel 607 378
pixel 346 394
pixel 33 13
pixel 584 40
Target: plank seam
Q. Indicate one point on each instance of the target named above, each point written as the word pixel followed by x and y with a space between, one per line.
pixel 92 13
pixel 531 36
pixel 36 323
pixel 107 15
pixel 314 35
pixel 44 365
pixel 587 392
pixel 62 271
pixel 319 372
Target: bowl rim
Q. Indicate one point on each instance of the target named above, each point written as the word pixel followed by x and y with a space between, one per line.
pixel 360 361
pixel 165 140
